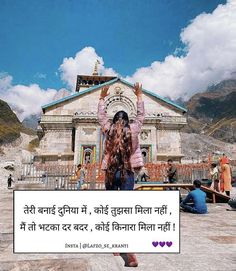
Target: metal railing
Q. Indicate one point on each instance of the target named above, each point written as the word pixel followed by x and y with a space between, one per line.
pixel 62 176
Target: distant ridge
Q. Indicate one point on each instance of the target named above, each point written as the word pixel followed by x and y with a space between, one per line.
pixel 10 126
pixel 213 112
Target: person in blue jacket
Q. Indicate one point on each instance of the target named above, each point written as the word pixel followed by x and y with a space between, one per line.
pixel 195 202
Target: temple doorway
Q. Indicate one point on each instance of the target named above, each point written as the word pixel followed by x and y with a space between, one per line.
pixel 88 154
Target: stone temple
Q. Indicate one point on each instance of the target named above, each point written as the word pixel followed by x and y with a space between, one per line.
pixel 70 133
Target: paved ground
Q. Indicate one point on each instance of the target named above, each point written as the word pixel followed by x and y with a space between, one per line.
pixel 208 242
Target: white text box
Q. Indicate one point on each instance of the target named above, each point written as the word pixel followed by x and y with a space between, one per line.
pixel 96 221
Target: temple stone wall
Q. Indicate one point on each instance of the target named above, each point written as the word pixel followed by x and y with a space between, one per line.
pixel 168 142
pixel 86 135
pixel 56 141
pixel 147 137
pixel 159 136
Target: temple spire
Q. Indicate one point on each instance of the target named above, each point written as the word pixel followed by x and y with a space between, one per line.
pixel 95 71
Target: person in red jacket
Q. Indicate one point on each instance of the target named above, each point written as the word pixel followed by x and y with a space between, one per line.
pixel 122 154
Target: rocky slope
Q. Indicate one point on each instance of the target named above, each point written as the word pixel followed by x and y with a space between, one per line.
pixel 213 112
pixel 31 121
pixel 10 126
pixel 12 154
pixel 196 147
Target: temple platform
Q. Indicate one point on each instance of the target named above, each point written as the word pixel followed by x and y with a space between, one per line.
pixel 208 242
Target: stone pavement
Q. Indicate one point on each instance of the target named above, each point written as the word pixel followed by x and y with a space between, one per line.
pixel 208 242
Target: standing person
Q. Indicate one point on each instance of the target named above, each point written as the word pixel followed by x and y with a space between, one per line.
pixel 171 172
pixel 122 154
pixel 141 175
pixel 227 177
pixel 195 202
pixel 80 176
pixel 44 177
pixel 223 159
pixel 144 174
pixel 214 172
pixel 9 181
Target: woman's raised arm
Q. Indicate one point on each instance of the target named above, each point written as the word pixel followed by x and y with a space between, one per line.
pixel 102 116
pixel 140 106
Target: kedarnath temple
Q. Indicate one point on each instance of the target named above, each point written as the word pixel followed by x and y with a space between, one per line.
pixel 70 133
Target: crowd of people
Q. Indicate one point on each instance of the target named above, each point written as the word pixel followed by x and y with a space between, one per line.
pixel 221 181
pixel 221 175
pixel 195 202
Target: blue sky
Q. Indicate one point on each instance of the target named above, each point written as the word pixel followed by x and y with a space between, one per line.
pixel 35 36
pixel 175 48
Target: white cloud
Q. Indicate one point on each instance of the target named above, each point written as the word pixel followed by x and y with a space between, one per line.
pixel 82 63
pixel 40 75
pixel 209 57
pixel 5 81
pixel 206 57
pixel 24 100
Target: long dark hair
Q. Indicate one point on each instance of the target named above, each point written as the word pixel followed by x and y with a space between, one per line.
pixel 118 146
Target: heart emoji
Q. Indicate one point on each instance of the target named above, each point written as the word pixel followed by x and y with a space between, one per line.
pixel 169 244
pixel 162 244
pixel 155 244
